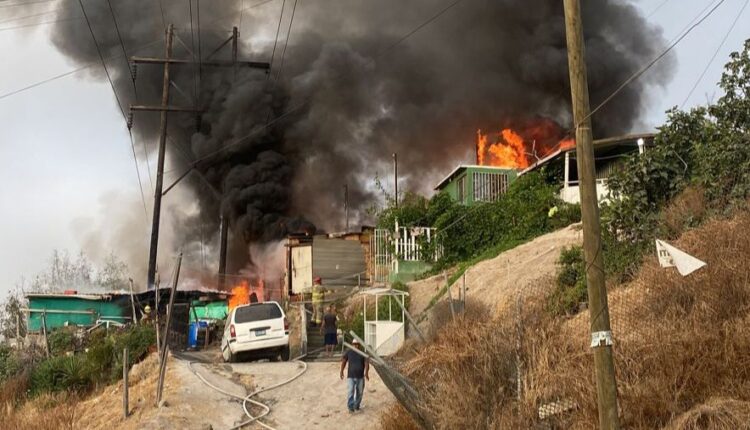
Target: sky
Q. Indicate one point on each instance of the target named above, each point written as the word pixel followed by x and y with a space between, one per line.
pixel 67 160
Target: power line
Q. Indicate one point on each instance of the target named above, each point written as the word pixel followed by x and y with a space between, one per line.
pixel 656 9
pixel 276 40
pixel 135 93
pixel 192 53
pixel 16 27
pixel 645 68
pixel 68 73
pixel 31 16
pixel 161 9
pixel 119 104
pixel 200 57
pixel 290 111
pixel 288 35
pixel 25 3
pixel 716 52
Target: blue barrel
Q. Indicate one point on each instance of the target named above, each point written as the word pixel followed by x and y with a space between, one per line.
pixel 193 333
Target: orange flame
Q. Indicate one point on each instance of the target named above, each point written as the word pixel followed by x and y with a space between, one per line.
pixel 520 146
pixel 243 291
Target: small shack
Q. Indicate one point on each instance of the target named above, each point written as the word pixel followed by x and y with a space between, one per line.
pixel 57 310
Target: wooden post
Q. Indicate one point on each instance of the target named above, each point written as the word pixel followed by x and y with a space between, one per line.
pixel 601 335
pixel 44 332
pixel 125 409
pixel 165 337
pixel 132 303
pixel 18 329
pixel 156 313
pixel 450 296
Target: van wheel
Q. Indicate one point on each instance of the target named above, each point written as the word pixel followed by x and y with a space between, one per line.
pixel 285 353
pixel 232 358
pixel 274 358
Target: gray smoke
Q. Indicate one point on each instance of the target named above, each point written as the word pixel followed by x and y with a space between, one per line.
pixel 349 98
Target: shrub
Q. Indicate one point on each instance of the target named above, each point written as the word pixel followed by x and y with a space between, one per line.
pixel 10 364
pixel 60 374
pixel 571 283
pixel 62 340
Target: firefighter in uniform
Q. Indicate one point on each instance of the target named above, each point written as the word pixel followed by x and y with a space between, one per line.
pixel 318 297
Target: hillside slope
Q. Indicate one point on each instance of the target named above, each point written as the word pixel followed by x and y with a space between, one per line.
pixel 495 282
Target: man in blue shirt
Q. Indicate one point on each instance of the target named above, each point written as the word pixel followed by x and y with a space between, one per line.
pixel 359 370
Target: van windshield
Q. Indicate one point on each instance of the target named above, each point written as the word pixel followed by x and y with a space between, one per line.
pixel 259 312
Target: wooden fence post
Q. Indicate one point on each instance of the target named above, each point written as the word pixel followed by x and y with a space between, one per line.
pixel 125 409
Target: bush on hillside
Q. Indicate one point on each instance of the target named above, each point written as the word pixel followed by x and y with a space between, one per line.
pixel 707 148
pixel 10 362
pixel 570 289
pixel 100 364
pixel 62 340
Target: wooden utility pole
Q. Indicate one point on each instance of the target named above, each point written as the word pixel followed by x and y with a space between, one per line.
pixel 160 163
pixel 223 236
pixel 165 108
pixel 601 334
pixel 395 179
pixel 346 207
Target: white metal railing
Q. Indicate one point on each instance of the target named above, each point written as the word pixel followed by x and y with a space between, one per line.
pixel 409 240
pixel 381 255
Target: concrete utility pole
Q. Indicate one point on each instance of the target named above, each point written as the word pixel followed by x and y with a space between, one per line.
pixel 601 334
pixel 164 108
pixel 395 179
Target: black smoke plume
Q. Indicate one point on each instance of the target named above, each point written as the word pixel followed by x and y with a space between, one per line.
pixel 348 97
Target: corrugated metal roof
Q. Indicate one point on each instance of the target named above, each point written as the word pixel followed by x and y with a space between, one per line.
pixel 338 261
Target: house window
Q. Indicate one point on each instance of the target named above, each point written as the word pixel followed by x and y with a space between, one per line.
pixel 488 187
pixel 461 185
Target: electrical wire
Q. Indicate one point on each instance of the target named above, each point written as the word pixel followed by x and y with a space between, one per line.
pixel 16 27
pixel 288 34
pixel 656 9
pixel 192 53
pixel 200 57
pixel 276 40
pixel 25 3
pixel 304 103
pixel 31 16
pixel 650 64
pixel 716 52
pixel 117 97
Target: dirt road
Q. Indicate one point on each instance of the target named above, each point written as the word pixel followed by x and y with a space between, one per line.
pixel 315 400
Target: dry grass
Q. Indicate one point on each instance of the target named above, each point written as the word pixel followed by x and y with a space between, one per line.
pixel 679 343
pixel 715 414
pixel 687 209
pixel 49 411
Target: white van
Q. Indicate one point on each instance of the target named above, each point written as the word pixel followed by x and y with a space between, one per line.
pixel 258 329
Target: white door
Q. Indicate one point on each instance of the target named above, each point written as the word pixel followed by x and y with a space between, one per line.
pixel 301 269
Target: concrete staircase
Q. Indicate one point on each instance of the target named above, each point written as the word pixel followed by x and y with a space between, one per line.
pixel 316 349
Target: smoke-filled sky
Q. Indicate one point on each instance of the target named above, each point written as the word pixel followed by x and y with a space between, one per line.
pixel 72 181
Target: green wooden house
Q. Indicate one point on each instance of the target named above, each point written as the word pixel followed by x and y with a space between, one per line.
pixel 469 184
pixel 60 310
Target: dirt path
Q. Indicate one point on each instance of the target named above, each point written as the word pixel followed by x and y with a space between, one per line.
pixel 317 399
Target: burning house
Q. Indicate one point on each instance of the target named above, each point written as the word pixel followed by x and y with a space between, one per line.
pixel 608 155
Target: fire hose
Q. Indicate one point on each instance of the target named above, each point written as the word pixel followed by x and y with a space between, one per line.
pixel 248 399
